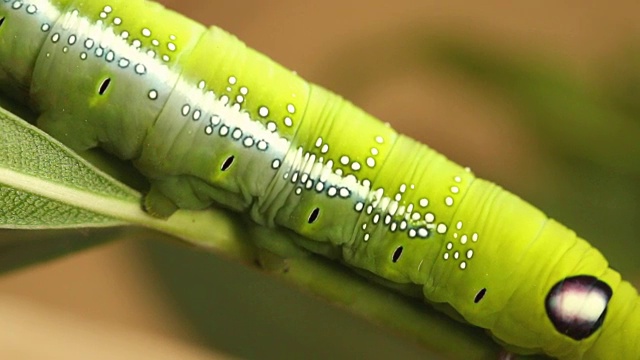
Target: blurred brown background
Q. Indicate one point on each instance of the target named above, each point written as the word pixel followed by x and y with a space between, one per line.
pixel 107 302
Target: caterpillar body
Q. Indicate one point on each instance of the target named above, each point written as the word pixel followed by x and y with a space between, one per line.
pixel 210 121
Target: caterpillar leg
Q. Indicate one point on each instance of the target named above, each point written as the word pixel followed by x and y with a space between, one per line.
pixel 273 249
pixel 170 193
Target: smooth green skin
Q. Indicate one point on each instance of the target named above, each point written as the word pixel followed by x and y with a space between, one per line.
pixel 518 253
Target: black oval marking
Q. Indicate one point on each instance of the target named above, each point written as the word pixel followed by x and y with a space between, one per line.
pixel 314 215
pixel 227 163
pixel 396 254
pixel 480 295
pixel 1 21
pixel 104 86
pixel 585 292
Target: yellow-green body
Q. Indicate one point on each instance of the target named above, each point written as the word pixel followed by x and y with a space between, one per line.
pixel 295 156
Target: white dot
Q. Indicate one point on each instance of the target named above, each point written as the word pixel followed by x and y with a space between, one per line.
pixel 371 162
pixel 441 228
pixel 239 99
pixel 455 189
pixel 379 139
pixel 459 225
pixel 463 239
pixel 469 254
pixel 359 206
pixel 463 265
pixel 237 134
pixel 103 15
pixel 376 218
pixel 344 192
pixel 244 90
pixel 325 148
pixel 83 56
pixel 393 227
pixel 449 245
pixel 415 216
pixel 429 217
pixel 224 130
pixel 291 109
pixel 153 94
pixel 124 34
pixel 215 120
pixel 448 201
pixel 474 237
pixel 171 46
pixel 366 183
pixel 355 166
pixel 72 39
pixel 422 232
pixel 140 69
pixel 155 42
pixel 232 80
pixel 117 21
pixel 123 63
pixel 424 202
pixel 412 233
pixel 456 255
pixel 196 115
pixel 374 151
pixel 344 160
pixel 366 237
pixel 446 256
pixel 45 27
pixel 263 111
pixel 319 186
pixel 275 164
pixel 403 188
pixel 166 58
pixel 288 122
pixel 107 9
pixel 262 145
pixel 271 126
pixel 332 191
pixel 146 32
pixel 185 110
pixel 248 142
pixel 319 142
pixel 364 226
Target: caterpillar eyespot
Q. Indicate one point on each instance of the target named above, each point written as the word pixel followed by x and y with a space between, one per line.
pixel 182 98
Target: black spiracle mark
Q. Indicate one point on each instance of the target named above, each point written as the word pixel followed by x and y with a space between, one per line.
pixel 227 163
pixel 314 215
pixel 396 254
pixel 480 295
pixel 104 86
pixel 1 21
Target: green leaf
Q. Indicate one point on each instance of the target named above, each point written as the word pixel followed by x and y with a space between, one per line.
pixel 44 185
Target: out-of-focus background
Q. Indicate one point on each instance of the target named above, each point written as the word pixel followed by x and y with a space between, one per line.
pixel 538 97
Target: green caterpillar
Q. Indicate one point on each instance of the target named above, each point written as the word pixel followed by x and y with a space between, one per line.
pixel 210 121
